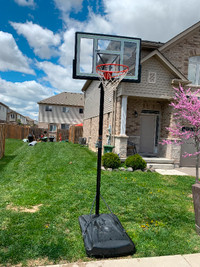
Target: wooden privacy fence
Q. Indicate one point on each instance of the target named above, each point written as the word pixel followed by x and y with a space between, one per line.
pixel 17 131
pixel 75 132
pixel 2 139
pixel 37 132
pixel 21 132
pixel 62 135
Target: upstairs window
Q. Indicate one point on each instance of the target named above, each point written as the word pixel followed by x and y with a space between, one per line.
pixel 48 108
pixel 194 70
pixel 65 109
pixel 81 110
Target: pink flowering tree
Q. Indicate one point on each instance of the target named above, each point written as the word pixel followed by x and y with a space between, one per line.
pixel 186 105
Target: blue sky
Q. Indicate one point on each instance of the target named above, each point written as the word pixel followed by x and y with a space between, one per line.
pixel 37 39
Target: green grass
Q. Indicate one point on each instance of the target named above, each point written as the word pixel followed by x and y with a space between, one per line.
pixel 155 210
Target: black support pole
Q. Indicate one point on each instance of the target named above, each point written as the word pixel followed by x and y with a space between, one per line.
pixel 99 148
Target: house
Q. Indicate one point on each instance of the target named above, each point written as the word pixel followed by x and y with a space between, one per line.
pixel 30 121
pixel 15 117
pixel 60 111
pixel 3 112
pixel 140 112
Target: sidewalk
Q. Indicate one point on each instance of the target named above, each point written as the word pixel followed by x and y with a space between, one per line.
pixel 191 171
pixel 190 260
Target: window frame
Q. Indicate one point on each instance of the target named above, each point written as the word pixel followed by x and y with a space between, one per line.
pixel 52 130
pixel 48 108
pixel 194 70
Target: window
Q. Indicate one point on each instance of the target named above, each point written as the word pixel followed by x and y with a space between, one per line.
pixel 48 108
pixel 12 116
pixel 81 110
pixel 65 126
pixel 65 109
pixel 194 70
pixel 52 128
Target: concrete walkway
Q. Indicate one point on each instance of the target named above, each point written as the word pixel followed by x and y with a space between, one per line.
pixel 191 171
pixel 191 260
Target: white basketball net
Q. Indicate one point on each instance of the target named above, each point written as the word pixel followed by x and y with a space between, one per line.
pixel 111 75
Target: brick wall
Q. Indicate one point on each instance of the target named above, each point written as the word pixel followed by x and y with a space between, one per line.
pixel 179 52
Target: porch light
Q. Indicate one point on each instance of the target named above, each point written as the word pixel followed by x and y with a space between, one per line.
pixel 135 114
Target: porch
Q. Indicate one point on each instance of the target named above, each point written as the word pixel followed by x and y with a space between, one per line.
pixel 143 123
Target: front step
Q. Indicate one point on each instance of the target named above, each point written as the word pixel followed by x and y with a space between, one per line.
pixel 159 163
pixel 160 166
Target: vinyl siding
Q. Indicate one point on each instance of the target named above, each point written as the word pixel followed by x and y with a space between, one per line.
pixel 92 99
pixel 58 116
pixel 3 113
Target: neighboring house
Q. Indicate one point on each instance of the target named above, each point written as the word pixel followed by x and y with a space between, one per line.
pixel 140 112
pixel 60 111
pixel 30 121
pixel 15 117
pixel 3 112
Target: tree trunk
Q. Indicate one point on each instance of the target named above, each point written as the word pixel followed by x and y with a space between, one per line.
pixel 197 169
pixel 197 160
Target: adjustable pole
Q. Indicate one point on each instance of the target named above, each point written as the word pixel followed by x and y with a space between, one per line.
pixel 99 148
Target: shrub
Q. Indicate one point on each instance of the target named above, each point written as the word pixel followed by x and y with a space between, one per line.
pixel 136 162
pixel 111 160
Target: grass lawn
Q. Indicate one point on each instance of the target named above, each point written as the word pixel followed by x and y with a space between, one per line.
pixel 45 188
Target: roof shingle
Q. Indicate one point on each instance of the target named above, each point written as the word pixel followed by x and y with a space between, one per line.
pixel 65 98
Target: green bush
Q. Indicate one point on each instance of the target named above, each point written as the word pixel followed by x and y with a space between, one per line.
pixel 136 162
pixel 111 160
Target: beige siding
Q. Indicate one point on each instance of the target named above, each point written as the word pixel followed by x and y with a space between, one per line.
pixel 58 116
pixel 3 113
pixel 91 128
pixel 92 99
pixel 160 89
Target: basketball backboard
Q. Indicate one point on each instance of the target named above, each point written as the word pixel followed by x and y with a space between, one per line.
pixel 94 49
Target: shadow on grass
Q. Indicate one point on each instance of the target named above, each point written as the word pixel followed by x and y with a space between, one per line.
pixel 5 160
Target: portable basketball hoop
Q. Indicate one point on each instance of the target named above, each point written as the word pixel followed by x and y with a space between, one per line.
pixel 108 58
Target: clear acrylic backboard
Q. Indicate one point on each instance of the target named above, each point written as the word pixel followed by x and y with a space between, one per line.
pixel 94 49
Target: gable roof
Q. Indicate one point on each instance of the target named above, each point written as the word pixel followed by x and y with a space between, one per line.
pixel 166 63
pixel 180 36
pixel 28 118
pixel 3 105
pixel 65 99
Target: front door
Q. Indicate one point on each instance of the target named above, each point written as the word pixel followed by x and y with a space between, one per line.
pixel 147 134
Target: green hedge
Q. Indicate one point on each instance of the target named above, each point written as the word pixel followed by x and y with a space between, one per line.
pixel 111 160
pixel 136 162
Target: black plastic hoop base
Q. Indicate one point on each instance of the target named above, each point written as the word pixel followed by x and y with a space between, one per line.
pixel 104 236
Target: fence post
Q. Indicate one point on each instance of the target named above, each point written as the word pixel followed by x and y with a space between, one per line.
pixel 2 139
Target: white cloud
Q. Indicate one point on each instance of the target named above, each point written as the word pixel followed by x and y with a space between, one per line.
pixel 60 77
pixel 11 58
pixel 67 6
pixel 25 3
pixel 23 97
pixel 43 41
pixel 151 19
